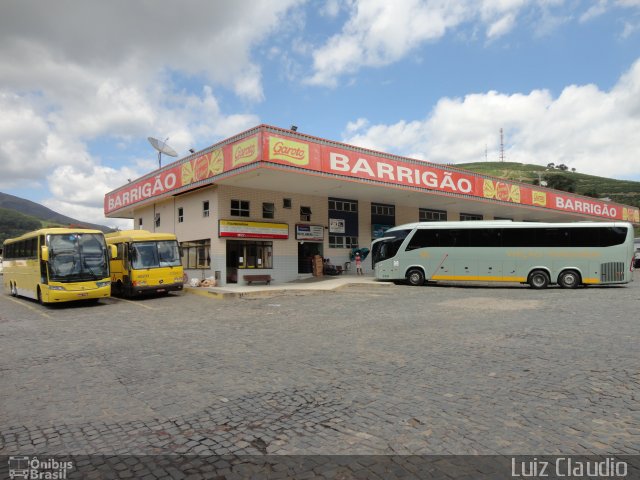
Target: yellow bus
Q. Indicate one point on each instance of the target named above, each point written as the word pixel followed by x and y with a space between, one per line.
pixel 145 262
pixel 57 265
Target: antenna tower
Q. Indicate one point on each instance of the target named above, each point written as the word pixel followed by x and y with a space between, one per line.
pixel 501 146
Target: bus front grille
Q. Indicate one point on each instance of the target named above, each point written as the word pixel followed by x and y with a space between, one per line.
pixel 612 272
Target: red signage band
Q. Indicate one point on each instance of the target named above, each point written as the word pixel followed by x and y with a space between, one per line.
pixel 279 148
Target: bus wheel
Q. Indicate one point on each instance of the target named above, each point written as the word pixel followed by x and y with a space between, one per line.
pixel 569 279
pixel 116 289
pixel 14 289
pixel 415 277
pixel 40 297
pixel 539 279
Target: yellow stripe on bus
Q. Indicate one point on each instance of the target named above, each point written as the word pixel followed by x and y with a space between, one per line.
pixel 479 278
pixel 590 280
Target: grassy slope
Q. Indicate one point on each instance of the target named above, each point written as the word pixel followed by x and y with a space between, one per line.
pixel 13 224
pixel 622 191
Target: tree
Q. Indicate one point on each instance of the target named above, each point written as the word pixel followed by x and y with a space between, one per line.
pixel 562 167
pixel 560 182
pixel 591 192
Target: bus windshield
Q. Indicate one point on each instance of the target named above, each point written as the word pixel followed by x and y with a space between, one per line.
pixel 155 254
pixel 388 246
pixel 76 257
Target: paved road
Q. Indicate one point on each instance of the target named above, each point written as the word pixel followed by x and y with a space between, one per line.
pixel 365 370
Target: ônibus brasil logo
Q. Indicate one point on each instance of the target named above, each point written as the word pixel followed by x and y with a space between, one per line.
pixel 35 468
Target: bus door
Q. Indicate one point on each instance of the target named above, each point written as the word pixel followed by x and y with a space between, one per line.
pixel 44 274
pixel 117 264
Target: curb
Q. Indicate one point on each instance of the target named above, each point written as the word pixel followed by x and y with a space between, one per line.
pixel 222 295
pixel 209 294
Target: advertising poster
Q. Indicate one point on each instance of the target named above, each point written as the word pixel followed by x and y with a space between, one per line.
pixel 311 233
pixel 336 225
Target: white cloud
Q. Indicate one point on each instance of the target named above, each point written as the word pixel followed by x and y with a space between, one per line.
pixel 331 8
pixel 379 32
pixel 23 137
pixel 93 215
pixel 630 28
pixel 71 73
pixel 359 124
pixel 628 3
pixel 79 192
pixel 501 26
pixel 594 11
pixel 603 6
pixel 585 128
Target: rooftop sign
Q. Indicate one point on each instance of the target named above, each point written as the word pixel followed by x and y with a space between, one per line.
pixel 307 154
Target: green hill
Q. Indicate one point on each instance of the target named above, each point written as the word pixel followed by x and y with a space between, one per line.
pixel 14 224
pixel 18 216
pixel 622 191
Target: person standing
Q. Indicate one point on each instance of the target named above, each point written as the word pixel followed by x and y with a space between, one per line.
pixel 358 265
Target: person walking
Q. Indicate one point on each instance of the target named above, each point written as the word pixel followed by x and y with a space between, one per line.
pixel 358 265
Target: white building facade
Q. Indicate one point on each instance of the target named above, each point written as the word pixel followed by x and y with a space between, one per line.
pixel 265 201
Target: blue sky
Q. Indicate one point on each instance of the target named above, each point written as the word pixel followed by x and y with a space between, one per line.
pixel 82 85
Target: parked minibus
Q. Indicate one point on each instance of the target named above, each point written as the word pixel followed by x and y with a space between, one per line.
pixel 145 262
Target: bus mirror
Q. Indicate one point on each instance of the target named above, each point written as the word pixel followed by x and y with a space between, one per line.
pixel 113 250
pixel 44 253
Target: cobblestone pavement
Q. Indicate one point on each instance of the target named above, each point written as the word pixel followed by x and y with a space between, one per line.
pixel 391 370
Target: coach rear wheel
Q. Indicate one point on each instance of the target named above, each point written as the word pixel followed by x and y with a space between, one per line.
pixel 569 279
pixel 539 279
pixel 415 277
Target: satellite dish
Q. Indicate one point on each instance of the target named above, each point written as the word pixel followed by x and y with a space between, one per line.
pixel 162 147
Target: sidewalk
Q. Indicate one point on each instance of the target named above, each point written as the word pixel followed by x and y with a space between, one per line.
pixel 325 283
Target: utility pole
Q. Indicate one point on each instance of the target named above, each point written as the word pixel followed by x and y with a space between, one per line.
pixel 501 146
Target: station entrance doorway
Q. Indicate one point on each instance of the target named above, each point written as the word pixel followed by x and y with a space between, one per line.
pixel 306 252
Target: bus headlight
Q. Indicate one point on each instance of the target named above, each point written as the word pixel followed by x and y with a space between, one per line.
pixel 56 287
pixel 178 280
pixel 140 283
pixel 103 284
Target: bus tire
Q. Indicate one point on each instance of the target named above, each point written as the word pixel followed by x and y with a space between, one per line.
pixel 415 277
pixel 116 289
pixel 539 279
pixel 569 279
pixel 40 301
pixel 14 289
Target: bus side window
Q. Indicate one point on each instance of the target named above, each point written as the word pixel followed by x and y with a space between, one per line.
pixel 419 240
